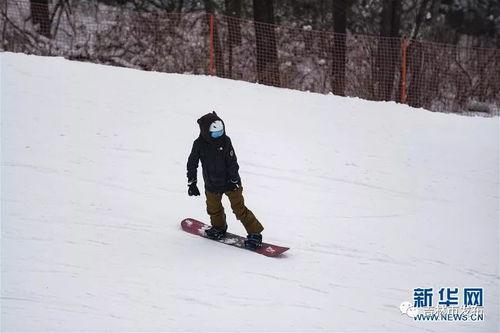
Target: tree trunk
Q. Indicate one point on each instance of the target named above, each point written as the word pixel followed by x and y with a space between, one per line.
pixel 415 89
pixel 265 36
pixel 40 16
pixel 233 10
pixel 388 51
pixel 233 20
pixel 339 47
pixel 180 5
pixel 415 57
pixel 419 18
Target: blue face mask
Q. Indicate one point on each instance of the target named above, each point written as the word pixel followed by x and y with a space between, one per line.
pixel 217 134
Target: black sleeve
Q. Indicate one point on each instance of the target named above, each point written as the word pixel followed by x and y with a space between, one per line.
pixel 192 163
pixel 231 162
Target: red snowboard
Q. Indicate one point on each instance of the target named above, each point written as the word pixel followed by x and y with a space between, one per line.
pixel 196 227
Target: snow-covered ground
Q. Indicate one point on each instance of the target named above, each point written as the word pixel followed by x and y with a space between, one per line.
pixel 374 199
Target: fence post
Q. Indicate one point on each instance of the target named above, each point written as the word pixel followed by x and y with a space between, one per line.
pixel 212 71
pixel 404 47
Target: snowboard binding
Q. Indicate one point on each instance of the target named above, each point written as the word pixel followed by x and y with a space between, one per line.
pixel 216 233
pixel 253 241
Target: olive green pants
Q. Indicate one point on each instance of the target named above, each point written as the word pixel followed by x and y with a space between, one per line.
pixel 243 214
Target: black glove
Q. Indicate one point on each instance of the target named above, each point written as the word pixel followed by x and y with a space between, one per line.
pixel 192 188
pixel 234 184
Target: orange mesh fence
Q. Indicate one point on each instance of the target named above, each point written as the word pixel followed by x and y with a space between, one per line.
pixel 438 77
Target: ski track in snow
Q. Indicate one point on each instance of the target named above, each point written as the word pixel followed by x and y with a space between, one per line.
pixel 374 200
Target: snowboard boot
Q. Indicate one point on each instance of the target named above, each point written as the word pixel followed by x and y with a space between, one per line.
pixel 253 241
pixel 216 232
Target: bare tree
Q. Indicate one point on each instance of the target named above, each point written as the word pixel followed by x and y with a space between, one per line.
pixel 233 12
pixel 233 9
pixel 416 57
pixel 388 50
pixel 419 18
pixel 265 36
pixel 339 46
pixel 40 16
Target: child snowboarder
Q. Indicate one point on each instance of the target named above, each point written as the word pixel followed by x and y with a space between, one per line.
pixel 220 174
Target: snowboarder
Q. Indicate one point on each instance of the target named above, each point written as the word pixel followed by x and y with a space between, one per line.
pixel 220 174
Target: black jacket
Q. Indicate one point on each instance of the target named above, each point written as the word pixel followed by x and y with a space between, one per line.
pixel 217 157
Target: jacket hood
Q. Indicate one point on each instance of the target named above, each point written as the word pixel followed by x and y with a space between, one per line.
pixel 205 123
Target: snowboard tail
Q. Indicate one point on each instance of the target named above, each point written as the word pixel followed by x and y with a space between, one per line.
pixel 198 228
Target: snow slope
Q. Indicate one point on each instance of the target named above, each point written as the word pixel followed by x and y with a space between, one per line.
pixel 374 199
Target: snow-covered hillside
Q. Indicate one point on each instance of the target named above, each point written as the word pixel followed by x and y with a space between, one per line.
pixel 374 200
